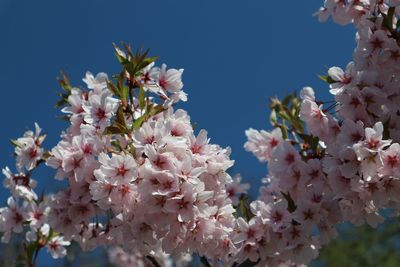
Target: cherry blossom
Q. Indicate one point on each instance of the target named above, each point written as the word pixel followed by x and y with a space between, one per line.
pixel 262 143
pixel 140 180
pixel 56 247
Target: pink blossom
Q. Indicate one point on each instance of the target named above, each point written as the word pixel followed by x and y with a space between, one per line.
pixel 56 247
pixel 117 169
pixel 262 143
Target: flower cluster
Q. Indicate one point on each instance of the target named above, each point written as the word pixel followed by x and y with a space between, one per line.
pixel 138 176
pixel 345 167
pixel 26 213
pixel 362 158
pixel 162 183
pixel 141 181
pixel 121 258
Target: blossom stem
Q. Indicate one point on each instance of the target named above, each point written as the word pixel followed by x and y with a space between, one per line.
pixel 153 261
pixel 204 262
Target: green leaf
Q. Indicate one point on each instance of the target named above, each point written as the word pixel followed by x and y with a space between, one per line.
pixel 46 155
pixel 128 50
pixel 121 56
pixel 64 117
pixel 148 61
pixel 119 125
pixel 275 104
pixel 30 250
pixel 285 115
pixel 113 129
pixel 120 118
pixel 138 122
pixel 63 100
pixel 52 234
pixel 248 263
pixel 204 262
pixel 388 19
pixel 116 144
pixel 312 141
pixel 133 63
pixel 141 98
pixel 154 110
pixel 386 132
pixel 291 205
pixel 124 93
pixel 15 143
pixel 132 150
pixel 273 119
pixel 111 86
pixel 63 80
pixel 244 207
pixel 327 79
pixel 121 79
pixel 288 99
pixel 284 132
pixel 153 261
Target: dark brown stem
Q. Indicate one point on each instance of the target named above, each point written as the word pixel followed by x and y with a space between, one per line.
pixel 153 261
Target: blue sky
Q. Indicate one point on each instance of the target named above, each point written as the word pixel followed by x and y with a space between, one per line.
pixel 235 54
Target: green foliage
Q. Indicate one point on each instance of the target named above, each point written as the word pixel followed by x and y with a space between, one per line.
pixel 133 63
pixel 126 88
pixel 291 205
pixel 244 207
pixel 364 246
pixel 285 115
pixel 388 19
pixel 65 84
pixel 327 79
pixel 204 262
pixel 286 112
pixel 15 143
pixel 119 125
pixel 247 263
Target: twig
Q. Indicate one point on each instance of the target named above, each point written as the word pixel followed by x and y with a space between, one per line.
pixel 153 260
pixel 204 261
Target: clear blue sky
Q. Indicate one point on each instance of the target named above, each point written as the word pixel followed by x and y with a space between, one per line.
pixel 235 54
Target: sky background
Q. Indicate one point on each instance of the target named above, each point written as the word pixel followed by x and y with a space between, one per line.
pixel 236 54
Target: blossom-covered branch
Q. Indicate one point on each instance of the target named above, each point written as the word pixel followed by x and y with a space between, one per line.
pixel 142 182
